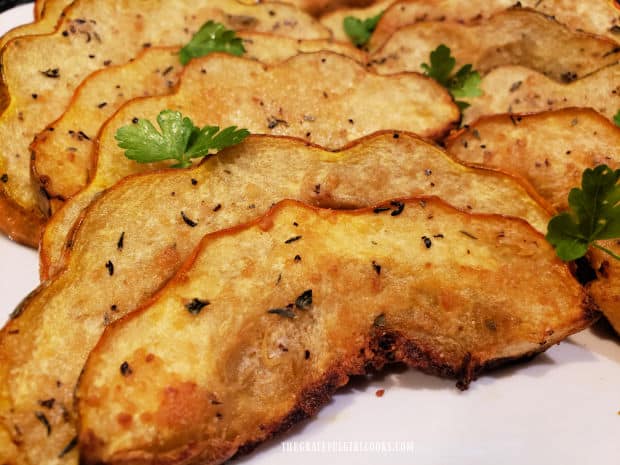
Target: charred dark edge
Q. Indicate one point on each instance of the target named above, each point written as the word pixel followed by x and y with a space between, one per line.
pixel 385 347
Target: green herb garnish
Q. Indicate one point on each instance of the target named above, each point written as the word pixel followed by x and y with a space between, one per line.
pixel 211 37
pixel 617 118
pixel 466 81
pixel 360 30
pixel 594 215
pixel 178 140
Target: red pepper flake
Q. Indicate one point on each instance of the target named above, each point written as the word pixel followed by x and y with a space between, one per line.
pixel 380 392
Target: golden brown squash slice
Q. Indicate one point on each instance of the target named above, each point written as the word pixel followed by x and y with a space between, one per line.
pixel 514 37
pixel 249 340
pixel 551 150
pixel 40 73
pixel 598 17
pixel 513 89
pixel 142 227
pixel 62 154
pixel 46 18
pixel 336 100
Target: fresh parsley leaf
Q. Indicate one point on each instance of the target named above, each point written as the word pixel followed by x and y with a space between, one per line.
pixel 211 37
pixel 594 215
pixel 464 83
pixel 360 30
pixel 178 140
pixel 617 118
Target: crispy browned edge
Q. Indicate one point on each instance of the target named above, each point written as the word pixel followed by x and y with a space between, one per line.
pixel 500 12
pixel 45 261
pixel 386 346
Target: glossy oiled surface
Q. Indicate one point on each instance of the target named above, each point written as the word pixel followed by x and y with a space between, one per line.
pixel 40 73
pixel 514 37
pixel 336 101
pixel 233 373
pixel 237 185
pixel 551 150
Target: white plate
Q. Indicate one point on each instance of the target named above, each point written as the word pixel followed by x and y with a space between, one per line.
pixel 561 408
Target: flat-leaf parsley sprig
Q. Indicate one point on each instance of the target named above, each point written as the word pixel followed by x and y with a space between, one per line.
pixel 360 30
pixel 617 118
pixel 211 37
pixel 464 83
pixel 178 140
pixel 594 215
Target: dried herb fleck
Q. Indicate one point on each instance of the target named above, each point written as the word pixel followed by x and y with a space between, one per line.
pixel 121 241
pixel 376 267
pixel 292 239
pixel 191 223
pixel 379 321
pixel 47 403
pixel 43 419
pixel 196 305
pixel 4 178
pixel 53 73
pixel 470 235
pixel 69 447
pixel 110 267
pixel 283 312
pixel 304 301
pixel 427 242
pixel 399 208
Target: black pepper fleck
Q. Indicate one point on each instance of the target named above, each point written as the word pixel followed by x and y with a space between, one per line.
pixel 110 267
pixel 427 242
